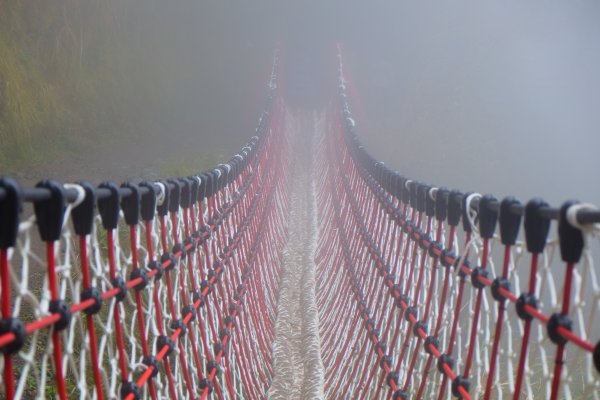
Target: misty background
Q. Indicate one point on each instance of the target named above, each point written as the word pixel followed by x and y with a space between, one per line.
pixel 499 97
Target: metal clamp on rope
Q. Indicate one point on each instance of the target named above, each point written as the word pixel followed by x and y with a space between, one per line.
pixel 460 267
pixel 156 266
pixel 420 325
pixel 17 328
pixel 206 286
pixel 151 361
pixel 385 362
pixel 558 321
pixel 188 310
pixel 205 384
pixel 526 299
pixel 447 254
pixel 163 341
pixel 229 321
pixel 435 249
pixel 170 260
pixel 189 245
pixel 212 367
pixel 400 395
pixel 445 359
pixel 410 311
pixel 212 276
pixel 178 249
pixel 10 208
pixel 460 382
pixel 219 348
pixel 235 308
pixel 197 298
pixel 178 324
pixel 119 283
pixel 431 341
pixel 476 274
pixel 129 388
pixel 96 295
pixel 392 379
pixel 61 308
pixel 500 283
pixel 139 273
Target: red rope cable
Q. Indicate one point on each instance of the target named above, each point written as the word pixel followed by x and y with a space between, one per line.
pixel 56 342
pixel 8 373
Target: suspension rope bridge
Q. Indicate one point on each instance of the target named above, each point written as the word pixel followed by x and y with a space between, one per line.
pixel 301 268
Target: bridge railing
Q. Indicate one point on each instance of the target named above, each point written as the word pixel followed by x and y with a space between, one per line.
pixel 152 290
pixel 437 293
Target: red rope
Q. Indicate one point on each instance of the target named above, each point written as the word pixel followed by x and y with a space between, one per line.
pixel 56 342
pixel 9 377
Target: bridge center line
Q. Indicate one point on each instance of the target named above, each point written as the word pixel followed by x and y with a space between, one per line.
pixel 298 367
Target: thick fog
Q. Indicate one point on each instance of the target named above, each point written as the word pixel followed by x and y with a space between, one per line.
pixel 498 97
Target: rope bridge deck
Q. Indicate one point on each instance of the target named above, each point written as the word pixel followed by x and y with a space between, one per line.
pixel 170 289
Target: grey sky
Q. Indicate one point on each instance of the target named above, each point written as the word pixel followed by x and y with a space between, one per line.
pixel 497 96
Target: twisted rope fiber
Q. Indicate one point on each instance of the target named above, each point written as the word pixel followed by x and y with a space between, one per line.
pixel 393 232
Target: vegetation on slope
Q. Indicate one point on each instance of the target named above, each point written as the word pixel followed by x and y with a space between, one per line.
pixel 77 74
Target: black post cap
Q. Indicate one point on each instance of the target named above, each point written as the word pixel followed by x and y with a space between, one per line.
pixel 175 195
pixel 487 217
pixel 148 201
pixel 109 206
pixel 466 222
pixel 186 193
pixel 202 187
pixel 509 221
pixel 131 203
pixel 194 185
pixel 454 208
pixel 163 209
pixel 413 189
pixel 49 213
pixel 441 204
pixel 422 190
pixel 571 238
pixel 221 178
pixel 398 182
pixel 429 202
pixel 83 215
pixel 536 226
pixel 10 208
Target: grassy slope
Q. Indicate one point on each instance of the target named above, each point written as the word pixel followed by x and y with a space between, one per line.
pixel 71 77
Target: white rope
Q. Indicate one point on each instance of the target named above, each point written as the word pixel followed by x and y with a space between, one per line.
pixel 78 200
pixel 160 197
pixel 433 193
pixel 572 212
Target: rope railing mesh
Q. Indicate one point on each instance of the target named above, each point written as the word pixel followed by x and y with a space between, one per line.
pixel 429 293
pixel 153 290
pixel 171 289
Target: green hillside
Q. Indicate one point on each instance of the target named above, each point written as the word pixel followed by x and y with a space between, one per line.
pixel 77 74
